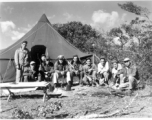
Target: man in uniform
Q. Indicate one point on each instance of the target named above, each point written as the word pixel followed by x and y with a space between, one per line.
pixel 21 59
pixel 30 74
pixel 61 70
pixel 46 68
pixel 128 75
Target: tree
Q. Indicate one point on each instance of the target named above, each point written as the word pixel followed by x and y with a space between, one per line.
pixel 119 32
pixel 138 10
pixel 141 29
pixel 77 34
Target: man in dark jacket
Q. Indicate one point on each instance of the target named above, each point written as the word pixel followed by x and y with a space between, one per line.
pixel 30 74
pixel 128 75
pixel 61 70
pixel 46 68
pixel 76 69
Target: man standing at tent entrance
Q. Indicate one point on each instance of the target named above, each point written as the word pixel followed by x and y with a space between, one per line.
pixel 21 59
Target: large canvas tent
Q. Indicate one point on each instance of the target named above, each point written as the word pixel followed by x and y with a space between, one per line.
pixel 42 39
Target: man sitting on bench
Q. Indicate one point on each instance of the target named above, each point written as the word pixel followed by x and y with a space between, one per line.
pixel 116 68
pixel 61 70
pixel 46 68
pixel 30 74
pixel 90 74
pixel 76 69
pixel 103 71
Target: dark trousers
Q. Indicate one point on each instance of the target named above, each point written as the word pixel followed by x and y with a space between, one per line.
pixel 78 74
pixel 28 79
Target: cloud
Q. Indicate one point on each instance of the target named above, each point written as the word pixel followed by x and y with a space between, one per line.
pixel 51 17
pixel 78 18
pixel 68 16
pixel 9 9
pixel 17 35
pixel 104 21
pixel 27 28
pixel 9 29
pixel 7 26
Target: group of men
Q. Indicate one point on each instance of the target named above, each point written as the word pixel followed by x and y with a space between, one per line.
pixel 122 77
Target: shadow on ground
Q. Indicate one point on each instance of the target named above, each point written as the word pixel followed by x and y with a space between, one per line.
pixel 150 95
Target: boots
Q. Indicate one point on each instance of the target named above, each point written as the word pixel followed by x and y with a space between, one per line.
pixel 55 85
pixel 68 87
pixel 51 88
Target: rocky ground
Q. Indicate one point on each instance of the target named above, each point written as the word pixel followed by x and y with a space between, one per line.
pixel 79 102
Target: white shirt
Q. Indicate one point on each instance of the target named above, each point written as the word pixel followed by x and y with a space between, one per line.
pixel 115 71
pixel 102 68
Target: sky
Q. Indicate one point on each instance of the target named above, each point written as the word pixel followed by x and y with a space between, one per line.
pixel 17 18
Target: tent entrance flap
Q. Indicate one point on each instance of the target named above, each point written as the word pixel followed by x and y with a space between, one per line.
pixel 36 52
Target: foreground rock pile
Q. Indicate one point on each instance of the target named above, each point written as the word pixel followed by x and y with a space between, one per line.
pixel 38 112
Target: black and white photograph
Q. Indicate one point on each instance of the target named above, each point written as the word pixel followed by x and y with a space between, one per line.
pixel 81 59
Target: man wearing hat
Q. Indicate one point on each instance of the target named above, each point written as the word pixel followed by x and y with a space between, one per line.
pixel 128 75
pixel 30 73
pixel 61 70
pixel 103 70
pixel 46 68
pixel 21 59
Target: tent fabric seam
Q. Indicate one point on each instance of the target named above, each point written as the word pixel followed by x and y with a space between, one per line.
pixel 64 38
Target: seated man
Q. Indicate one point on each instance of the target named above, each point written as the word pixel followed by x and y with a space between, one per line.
pixel 61 70
pixel 90 74
pixel 76 69
pixel 128 75
pixel 103 71
pixel 46 68
pixel 115 72
pixel 30 74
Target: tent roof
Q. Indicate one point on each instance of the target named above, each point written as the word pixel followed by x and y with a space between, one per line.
pixel 43 19
pixel 44 34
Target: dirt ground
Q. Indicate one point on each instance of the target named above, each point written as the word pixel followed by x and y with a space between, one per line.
pixel 82 101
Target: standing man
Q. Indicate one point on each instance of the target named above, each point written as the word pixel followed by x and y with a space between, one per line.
pixel 21 59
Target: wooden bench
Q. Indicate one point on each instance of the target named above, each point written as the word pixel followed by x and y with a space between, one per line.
pixel 24 87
